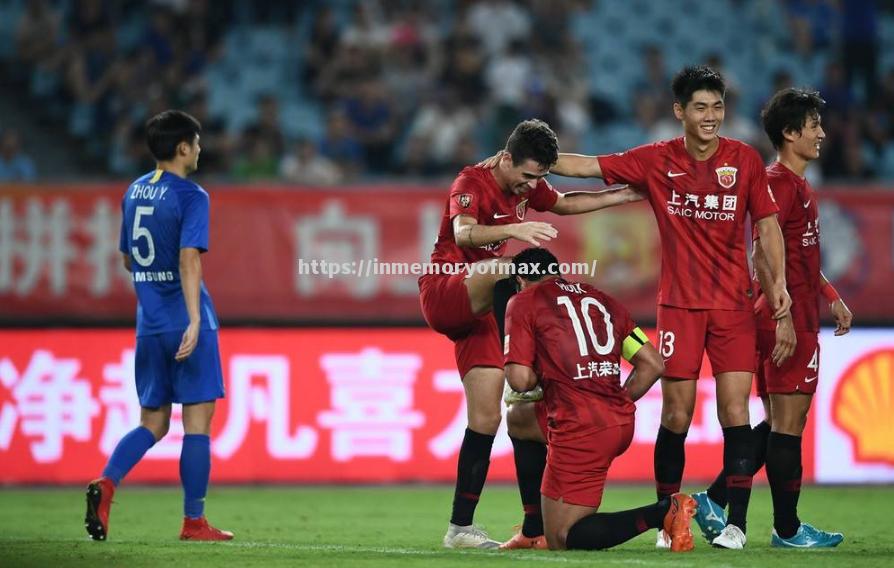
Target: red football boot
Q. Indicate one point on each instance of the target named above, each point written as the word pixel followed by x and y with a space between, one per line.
pixel 99 503
pixel 199 529
pixel 677 522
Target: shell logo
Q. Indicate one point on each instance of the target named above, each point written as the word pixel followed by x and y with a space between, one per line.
pixel 863 406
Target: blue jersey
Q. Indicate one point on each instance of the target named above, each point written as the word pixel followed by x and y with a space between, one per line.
pixel 161 214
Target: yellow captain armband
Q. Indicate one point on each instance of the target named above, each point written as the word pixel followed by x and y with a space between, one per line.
pixel 633 343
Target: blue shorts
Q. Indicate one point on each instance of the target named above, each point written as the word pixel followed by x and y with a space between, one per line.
pixel 161 380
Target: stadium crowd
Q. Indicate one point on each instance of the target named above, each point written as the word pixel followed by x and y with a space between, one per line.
pixel 418 89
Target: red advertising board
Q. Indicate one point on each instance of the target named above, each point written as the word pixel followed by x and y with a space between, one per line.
pixel 59 258
pixel 308 405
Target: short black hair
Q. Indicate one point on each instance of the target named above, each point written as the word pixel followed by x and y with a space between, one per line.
pixel 166 130
pixel 532 264
pixel 788 110
pixel 533 140
pixel 696 78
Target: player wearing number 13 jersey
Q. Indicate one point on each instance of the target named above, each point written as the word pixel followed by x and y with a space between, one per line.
pixel 164 229
pixel 701 187
pixel 570 337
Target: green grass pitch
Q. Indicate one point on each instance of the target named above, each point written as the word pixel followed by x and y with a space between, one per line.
pixel 393 526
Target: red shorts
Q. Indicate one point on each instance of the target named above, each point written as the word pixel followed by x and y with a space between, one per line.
pixel 799 373
pixel 684 335
pixel 575 473
pixel 447 310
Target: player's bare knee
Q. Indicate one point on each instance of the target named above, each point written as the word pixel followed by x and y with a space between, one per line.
pixel 733 413
pixel 159 428
pixel 485 422
pixel 676 419
pixel 520 418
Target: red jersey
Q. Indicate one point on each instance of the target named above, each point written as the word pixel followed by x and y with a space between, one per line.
pixel 572 335
pixel 700 208
pixel 799 219
pixel 475 192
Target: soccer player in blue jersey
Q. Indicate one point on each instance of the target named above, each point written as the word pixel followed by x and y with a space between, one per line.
pixel 164 230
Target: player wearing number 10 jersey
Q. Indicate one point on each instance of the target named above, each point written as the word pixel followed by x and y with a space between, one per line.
pixel 164 229
pixel 570 337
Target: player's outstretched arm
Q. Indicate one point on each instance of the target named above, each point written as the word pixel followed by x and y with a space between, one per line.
pixel 521 377
pixel 648 366
pixel 773 249
pixel 190 282
pixel 577 202
pixel 568 165
pixel 577 165
pixel 468 233
pixel 842 314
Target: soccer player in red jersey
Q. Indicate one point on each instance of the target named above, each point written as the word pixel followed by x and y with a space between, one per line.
pixel 570 337
pixel 792 121
pixel 701 186
pixel 485 209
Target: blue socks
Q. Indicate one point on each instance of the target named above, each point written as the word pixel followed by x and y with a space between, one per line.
pixel 195 467
pixel 127 453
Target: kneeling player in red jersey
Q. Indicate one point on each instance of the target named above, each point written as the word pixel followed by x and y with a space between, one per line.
pixel 570 337
pixel 486 208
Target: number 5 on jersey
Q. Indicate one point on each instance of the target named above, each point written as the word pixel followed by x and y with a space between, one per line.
pixel 142 232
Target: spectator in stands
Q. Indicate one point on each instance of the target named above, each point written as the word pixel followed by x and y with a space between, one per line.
pixel 341 145
pixel 438 129
pixel 498 23
pixel 464 68
pixel 373 120
pixel 15 164
pixel 321 46
pixel 306 166
pixel 860 45
pixel 267 126
pixel 655 77
pixel 352 65
pixel 507 76
pixel 257 162
pixel 37 33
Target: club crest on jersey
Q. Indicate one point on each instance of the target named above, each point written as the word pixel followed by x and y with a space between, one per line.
pixel 521 209
pixel 464 199
pixel 726 176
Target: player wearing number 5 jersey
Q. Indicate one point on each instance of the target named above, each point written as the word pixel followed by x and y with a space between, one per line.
pixel 164 229
pixel 701 186
pixel 570 337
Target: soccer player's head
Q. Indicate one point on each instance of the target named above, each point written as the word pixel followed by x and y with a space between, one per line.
pixel 173 136
pixel 698 102
pixel 533 265
pixel 792 121
pixel 532 149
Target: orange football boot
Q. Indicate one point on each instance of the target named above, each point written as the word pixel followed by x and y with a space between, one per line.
pixel 520 541
pixel 677 521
